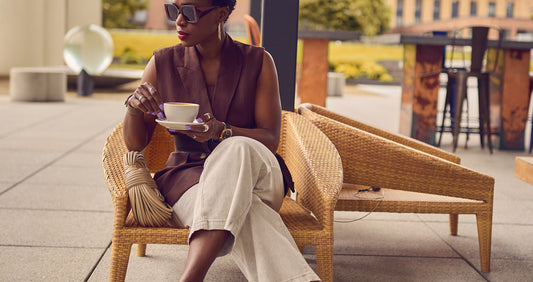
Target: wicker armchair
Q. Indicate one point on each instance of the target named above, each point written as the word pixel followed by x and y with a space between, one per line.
pixel 414 177
pixel 312 159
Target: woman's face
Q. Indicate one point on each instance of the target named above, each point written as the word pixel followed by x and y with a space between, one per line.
pixel 205 29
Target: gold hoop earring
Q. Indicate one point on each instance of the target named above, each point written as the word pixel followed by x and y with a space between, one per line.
pixel 219 32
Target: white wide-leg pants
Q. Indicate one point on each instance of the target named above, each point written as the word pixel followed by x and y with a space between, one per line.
pixel 241 190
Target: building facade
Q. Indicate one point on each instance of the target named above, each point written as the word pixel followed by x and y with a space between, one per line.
pixel 418 16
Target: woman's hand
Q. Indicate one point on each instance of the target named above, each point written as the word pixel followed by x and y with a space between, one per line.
pixel 147 100
pixel 210 129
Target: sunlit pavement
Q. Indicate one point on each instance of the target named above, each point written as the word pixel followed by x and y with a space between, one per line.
pixel 56 212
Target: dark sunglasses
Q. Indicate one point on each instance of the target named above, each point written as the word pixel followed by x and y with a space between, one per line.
pixel 190 12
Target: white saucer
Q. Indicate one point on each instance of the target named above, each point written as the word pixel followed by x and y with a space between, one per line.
pixel 175 124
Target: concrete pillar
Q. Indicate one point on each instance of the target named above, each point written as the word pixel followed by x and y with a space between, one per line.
pixel 32 31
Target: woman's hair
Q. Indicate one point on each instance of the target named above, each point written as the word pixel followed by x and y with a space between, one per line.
pixel 224 3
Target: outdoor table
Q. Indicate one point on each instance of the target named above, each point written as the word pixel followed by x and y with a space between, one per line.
pixel 524 169
pixel 313 83
pixel 509 88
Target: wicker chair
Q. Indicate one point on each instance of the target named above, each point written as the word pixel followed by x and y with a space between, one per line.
pixel 312 159
pixel 414 177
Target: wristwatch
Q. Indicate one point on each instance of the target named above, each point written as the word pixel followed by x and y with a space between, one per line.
pixel 226 132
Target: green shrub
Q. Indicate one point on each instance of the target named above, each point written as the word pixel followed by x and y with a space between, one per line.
pixel 369 70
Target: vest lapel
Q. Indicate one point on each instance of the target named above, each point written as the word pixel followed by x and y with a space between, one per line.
pixel 192 78
pixel 228 78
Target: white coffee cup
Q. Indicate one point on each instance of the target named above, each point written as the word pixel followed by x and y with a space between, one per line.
pixel 181 112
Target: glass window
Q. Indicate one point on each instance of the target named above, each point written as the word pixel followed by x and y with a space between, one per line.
pixel 455 9
pixel 418 11
pixel 510 8
pixel 399 13
pixel 473 8
pixel 436 10
pixel 492 9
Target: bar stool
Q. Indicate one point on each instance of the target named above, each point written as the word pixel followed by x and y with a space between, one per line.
pixel 456 88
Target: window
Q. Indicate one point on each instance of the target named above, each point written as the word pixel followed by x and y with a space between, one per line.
pixel 418 11
pixel 455 9
pixel 492 9
pixel 473 8
pixel 510 8
pixel 436 10
pixel 399 13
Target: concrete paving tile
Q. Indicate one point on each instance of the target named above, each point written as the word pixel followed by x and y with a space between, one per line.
pixel 166 263
pixel 401 268
pixel 52 144
pixel 23 227
pixel 28 115
pixel 357 107
pixel 96 144
pixel 17 165
pixel 508 270
pixel 46 264
pixel 4 185
pixel 391 238
pixel 57 197
pixel 81 159
pixel 68 175
pixel 510 242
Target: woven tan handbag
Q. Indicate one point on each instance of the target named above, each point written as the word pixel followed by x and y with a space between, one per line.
pixel 148 206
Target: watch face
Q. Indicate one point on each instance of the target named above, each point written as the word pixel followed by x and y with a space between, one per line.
pixel 226 133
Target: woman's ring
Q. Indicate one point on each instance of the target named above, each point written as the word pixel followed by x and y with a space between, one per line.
pixel 194 137
pixel 206 127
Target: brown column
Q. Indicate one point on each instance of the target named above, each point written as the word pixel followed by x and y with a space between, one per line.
pixel 420 89
pixel 515 99
pixel 313 86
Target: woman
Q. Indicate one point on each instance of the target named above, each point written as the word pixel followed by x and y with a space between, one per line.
pixel 223 181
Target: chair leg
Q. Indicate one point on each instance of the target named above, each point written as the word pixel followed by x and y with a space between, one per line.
pixel 454 222
pixel 484 231
pixel 484 110
pixel 324 262
pixel 120 255
pixel 141 250
pixel 467 121
pixel 531 137
pixel 459 96
pixel 447 106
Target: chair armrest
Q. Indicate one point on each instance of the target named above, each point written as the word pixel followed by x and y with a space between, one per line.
pixel 308 109
pixel 314 164
pixel 113 168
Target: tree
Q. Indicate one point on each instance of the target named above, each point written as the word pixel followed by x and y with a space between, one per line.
pixel 371 17
pixel 119 13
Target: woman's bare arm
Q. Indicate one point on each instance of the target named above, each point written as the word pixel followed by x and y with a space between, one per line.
pixel 139 122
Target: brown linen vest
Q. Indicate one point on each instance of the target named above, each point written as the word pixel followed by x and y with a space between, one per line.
pixel 180 79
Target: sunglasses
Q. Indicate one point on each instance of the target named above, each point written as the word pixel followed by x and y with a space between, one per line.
pixel 190 12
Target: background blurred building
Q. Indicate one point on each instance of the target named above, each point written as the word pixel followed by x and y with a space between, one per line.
pixel 418 16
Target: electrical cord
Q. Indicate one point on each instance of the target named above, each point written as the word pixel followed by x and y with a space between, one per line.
pixel 357 195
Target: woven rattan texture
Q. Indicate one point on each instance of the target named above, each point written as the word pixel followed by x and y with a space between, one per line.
pixel 314 164
pixel 375 158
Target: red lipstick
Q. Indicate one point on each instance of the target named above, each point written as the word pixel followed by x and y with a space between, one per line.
pixel 182 35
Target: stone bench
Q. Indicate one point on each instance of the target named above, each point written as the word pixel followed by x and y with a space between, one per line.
pixel 37 84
